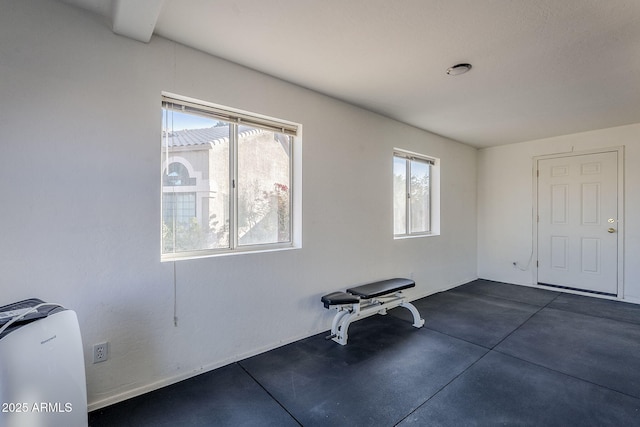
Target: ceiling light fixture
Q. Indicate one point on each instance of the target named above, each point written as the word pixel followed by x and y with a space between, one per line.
pixel 458 69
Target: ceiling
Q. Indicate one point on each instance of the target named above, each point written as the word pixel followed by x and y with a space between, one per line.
pixel 541 68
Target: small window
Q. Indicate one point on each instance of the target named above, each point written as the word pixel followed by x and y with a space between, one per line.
pixel 412 195
pixel 227 180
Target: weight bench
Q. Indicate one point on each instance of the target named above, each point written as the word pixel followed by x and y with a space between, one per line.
pixel 366 300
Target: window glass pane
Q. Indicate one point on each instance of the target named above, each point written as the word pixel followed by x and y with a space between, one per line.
pixel 195 184
pixel 264 187
pixel 399 195
pixel 419 200
pixel 179 207
pixel 226 180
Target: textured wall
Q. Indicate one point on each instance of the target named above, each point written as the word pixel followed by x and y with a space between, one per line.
pixel 81 221
pixel 505 203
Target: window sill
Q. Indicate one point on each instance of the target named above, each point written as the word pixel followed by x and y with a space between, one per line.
pixel 222 253
pixel 415 236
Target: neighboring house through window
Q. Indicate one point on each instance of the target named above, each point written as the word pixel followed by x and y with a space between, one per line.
pixel 227 180
pixel 179 207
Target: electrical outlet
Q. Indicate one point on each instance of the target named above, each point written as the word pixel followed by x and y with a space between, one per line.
pixel 100 352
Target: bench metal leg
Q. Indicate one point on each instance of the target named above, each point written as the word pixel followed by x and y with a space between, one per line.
pixel 417 321
pixel 343 328
pixel 335 326
pixel 349 313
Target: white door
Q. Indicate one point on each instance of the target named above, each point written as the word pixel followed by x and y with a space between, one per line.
pixel 578 221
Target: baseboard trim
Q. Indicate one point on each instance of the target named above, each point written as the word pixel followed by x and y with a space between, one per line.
pixel 138 391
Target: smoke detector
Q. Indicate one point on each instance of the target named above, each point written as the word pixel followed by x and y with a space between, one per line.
pixel 458 69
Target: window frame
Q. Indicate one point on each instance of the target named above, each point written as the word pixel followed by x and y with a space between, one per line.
pixel 433 201
pixel 235 118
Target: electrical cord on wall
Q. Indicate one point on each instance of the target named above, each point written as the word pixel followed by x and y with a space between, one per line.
pixel 31 310
pixel 516 264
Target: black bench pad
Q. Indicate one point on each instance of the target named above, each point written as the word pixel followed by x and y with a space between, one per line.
pixel 337 298
pixel 383 287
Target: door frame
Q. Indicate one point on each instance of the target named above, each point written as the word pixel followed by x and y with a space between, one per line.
pixel 620 225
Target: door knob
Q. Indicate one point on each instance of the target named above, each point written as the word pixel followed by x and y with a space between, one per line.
pixel 611 230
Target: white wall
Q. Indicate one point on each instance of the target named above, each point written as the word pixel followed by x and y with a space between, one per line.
pixel 505 203
pixel 81 221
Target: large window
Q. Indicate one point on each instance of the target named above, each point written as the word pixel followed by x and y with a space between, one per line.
pixel 412 195
pixel 227 179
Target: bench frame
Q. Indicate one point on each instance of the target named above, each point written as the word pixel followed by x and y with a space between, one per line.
pixel 365 307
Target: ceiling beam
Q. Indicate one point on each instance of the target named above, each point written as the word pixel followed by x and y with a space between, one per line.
pixel 136 19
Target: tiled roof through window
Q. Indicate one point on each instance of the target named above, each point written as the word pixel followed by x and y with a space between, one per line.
pixel 209 136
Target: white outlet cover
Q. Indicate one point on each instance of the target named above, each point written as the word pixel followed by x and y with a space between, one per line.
pixel 100 352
